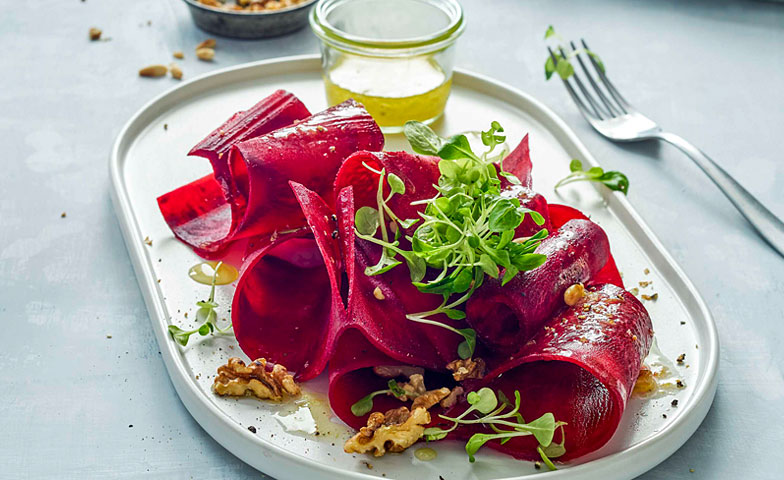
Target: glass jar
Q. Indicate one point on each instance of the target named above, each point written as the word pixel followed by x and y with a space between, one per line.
pixel 393 56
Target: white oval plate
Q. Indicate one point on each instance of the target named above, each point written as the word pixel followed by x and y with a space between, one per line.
pixel 148 159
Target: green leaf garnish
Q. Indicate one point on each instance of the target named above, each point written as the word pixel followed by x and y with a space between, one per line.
pixel 497 412
pixel 464 233
pixel 206 314
pixel 612 179
pixel 366 220
pixel 563 65
pixel 364 405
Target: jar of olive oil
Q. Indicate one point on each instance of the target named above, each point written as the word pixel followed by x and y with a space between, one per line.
pixel 393 56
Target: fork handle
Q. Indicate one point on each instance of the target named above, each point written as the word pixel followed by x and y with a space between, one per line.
pixel 764 221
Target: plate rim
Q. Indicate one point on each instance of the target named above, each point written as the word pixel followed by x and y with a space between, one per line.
pixel 234 438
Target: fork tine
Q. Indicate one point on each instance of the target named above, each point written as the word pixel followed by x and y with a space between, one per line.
pixel 588 97
pixel 614 110
pixel 626 106
pixel 590 116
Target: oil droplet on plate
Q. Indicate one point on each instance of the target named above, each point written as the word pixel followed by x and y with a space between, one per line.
pixel 204 271
pixel 425 454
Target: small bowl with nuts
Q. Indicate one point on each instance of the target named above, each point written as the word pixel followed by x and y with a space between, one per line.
pixel 250 18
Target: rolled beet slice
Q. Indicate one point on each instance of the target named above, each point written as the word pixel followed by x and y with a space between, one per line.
pixel 308 153
pixel 287 306
pixel 204 213
pixel 278 110
pixel 559 215
pixel 518 163
pixel 581 366
pixel 418 172
pixel 532 201
pixel 505 317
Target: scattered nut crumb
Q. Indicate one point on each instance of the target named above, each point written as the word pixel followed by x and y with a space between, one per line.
pixel 153 71
pixel 176 71
pixel 646 271
pixel 653 297
pixel 62 215
pixel 392 371
pixel 645 284
pixel 467 368
pixel 679 383
pixel 367 464
pixel 378 294
pixel 681 358
pixel 108 336
pixel 635 291
pixel 573 294
pixel 691 470
pixel 148 241
pixel 205 54
pixel 209 43
pixel 95 34
pixel 178 55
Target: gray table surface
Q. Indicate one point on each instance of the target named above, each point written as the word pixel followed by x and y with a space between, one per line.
pixel 76 404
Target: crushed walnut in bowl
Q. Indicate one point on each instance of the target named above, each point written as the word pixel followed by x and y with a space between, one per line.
pixel 249 18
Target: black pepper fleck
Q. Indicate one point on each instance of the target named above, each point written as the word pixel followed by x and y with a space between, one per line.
pixel 252 429
pixel 674 403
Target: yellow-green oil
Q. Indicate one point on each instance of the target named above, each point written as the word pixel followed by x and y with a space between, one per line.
pixel 204 271
pixel 425 454
pixel 393 90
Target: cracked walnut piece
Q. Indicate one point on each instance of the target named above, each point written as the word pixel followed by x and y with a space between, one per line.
pixel 236 379
pixel 393 431
pixel 468 368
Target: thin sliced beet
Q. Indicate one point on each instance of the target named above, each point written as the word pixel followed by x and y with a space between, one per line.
pixel 285 307
pixel 518 163
pixel 418 172
pixel 532 201
pixel 275 111
pixel 581 367
pixel 559 215
pixel 505 317
pixel 309 153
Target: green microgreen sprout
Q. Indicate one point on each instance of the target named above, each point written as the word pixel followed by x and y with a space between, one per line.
pixel 365 404
pixel 465 232
pixel 564 67
pixel 206 314
pixel 506 425
pixel 612 179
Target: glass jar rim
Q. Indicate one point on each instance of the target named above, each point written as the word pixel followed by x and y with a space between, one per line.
pixel 437 40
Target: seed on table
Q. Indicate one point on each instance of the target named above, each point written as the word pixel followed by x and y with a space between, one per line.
pixel 209 43
pixel 205 54
pixel 153 71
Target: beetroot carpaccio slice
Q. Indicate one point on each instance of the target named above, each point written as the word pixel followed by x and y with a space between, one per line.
pixel 518 163
pixel 309 153
pixel 505 317
pixel 256 190
pixel 280 109
pixel 287 305
pixel 581 366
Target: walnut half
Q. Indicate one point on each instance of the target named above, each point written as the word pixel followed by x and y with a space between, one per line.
pixel 393 431
pixel 237 379
pixel 468 368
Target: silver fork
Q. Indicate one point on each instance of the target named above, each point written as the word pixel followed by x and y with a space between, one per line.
pixel 615 118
